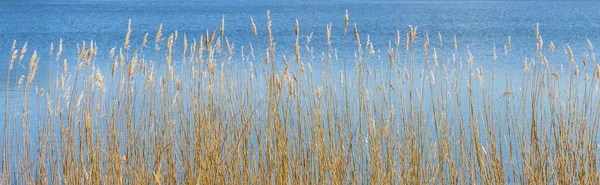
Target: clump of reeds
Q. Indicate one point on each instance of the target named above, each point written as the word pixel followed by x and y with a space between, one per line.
pixel 221 119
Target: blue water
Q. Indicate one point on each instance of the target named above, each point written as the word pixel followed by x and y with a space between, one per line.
pixel 478 24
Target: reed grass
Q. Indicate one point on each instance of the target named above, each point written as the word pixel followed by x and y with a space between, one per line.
pixel 204 111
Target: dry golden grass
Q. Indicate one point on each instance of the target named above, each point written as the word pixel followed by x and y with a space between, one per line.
pixel 219 114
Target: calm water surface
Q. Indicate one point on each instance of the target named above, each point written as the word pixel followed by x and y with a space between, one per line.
pixel 480 25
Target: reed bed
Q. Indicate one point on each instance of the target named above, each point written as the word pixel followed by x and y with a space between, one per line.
pixel 181 110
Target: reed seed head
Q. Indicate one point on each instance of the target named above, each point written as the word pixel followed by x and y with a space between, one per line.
pixel 223 26
pixel 455 43
pixel 33 66
pixel 509 44
pixel 158 38
pixel 397 38
pixel 126 45
pixel 12 59
pixel 494 56
pixel 253 28
pixel 346 19
pixel 23 51
pixel 65 66
pixel 357 37
pixel 537 31
pixel 145 41
pixel 14 45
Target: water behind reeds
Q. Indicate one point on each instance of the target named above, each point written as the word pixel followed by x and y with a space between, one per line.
pixel 321 99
